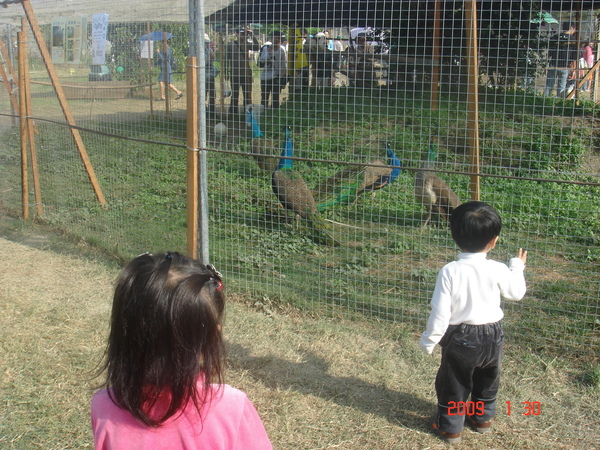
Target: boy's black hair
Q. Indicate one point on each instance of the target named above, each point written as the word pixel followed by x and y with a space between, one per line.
pixel 474 225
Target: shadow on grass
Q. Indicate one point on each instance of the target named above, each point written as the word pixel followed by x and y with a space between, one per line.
pixel 311 377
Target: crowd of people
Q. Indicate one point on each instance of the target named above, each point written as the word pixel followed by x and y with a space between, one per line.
pixel 567 63
pixel 296 62
pixel 304 60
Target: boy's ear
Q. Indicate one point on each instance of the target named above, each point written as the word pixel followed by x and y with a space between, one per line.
pixel 493 243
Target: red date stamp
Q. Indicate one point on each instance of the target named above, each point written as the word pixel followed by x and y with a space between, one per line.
pixel 466 408
pixel 530 408
pixel 478 408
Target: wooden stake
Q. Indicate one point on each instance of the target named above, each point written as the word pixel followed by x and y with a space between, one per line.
pixel 62 99
pixel 23 133
pixel 5 76
pixel 25 87
pixel 192 157
pixel 473 95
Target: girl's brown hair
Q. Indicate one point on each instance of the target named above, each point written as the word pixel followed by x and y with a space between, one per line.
pixel 165 336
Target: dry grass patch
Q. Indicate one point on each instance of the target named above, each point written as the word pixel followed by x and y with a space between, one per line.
pixel 318 382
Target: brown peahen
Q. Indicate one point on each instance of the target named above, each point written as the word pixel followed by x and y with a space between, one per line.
pixel 261 147
pixel 293 193
pixel 348 184
pixel 431 191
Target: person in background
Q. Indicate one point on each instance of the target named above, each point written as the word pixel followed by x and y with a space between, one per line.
pixel 285 44
pixel 237 68
pixel 273 77
pixel 164 364
pixel 310 50
pixel 297 60
pixel 166 62
pixel 339 56
pixel 338 44
pixel 587 55
pixel 562 52
pixel 364 55
pixel 211 74
pixel 323 62
pixel 466 321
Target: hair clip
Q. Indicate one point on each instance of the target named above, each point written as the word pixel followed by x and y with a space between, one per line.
pixel 144 254
pixel 216 276
pixel 219 284
pixel 169 256
pixel 214 271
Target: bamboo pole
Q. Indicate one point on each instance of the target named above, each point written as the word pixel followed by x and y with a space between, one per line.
pixel 9 65
pixel 473 96
pixel 25 87
pixel 39 38
pixel 435 73
pixel 23 133
pixel 8 76
pixel 192 158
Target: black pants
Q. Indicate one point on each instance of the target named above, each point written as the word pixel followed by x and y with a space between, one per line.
pixel 270 88
pixel 210 95
pixel 471 359
pixel 241 86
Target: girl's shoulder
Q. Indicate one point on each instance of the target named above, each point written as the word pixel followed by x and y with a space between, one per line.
pixel 230 394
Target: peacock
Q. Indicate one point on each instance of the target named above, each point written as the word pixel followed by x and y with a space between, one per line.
pixel 293 193
pixel 431 191
pixel 260 146
pixel 347 185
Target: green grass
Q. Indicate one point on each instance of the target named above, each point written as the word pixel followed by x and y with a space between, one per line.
pixel 386 265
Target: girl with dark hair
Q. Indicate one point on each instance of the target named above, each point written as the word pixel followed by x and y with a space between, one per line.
pixel 164 364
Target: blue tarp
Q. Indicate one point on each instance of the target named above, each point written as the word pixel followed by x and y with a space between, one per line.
pixel 156 36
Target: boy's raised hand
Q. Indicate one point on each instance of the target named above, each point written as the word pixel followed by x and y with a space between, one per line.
pixel 522 255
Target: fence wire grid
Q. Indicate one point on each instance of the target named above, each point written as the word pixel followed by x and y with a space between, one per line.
pixel 366 95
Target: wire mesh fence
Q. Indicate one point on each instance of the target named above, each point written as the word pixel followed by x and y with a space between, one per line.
pixel 378 104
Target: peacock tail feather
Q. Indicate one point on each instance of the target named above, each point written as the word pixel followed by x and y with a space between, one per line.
pixel 347 185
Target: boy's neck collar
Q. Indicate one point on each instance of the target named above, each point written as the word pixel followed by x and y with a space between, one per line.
pixel 466 255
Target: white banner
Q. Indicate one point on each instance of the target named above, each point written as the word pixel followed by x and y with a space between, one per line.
pixel 58 41
pixel 99 27
pixel 146 49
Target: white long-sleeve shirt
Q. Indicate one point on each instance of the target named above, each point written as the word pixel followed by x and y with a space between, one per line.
pixel 275 63
pixel 469 291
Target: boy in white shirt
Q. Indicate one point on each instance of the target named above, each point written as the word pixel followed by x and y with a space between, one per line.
pixel 465 320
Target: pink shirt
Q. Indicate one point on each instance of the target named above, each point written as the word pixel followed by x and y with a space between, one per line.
pixel 230 422
pixel 588 55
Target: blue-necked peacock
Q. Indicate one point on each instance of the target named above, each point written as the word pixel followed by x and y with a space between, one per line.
pixel 261 147
pixel 347 185
pixel 431 191
pixel 293 193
